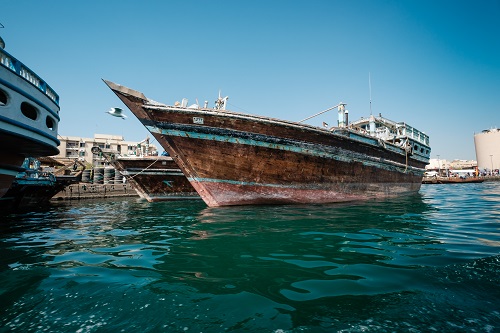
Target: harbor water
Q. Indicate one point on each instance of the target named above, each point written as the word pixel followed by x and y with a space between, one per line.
pixel 425 263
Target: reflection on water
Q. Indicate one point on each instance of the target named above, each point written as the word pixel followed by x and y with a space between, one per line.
pixel 425 262
pixel 290 253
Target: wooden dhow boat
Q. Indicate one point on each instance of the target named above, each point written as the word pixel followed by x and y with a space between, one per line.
pixel 153 177
pixel 233 158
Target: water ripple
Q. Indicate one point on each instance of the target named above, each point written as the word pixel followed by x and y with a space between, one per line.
pixel 420 263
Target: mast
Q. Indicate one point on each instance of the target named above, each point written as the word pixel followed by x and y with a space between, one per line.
pixel 370 87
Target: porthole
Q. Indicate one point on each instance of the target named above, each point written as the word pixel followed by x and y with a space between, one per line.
pixel 29 111
pixel 3 98
pixel 50 123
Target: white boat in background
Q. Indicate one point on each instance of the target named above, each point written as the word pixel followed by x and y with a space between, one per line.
pixel 29 117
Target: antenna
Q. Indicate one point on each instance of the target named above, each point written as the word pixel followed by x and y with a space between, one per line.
pixel 370 87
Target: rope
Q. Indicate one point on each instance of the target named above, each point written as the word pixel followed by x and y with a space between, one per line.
pixel 317 114
pixel 137 174
pixel 132 177
pixel 236 106
pixel 407 149
pixel 406 168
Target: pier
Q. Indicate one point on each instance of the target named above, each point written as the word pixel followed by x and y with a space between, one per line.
pixel 95 191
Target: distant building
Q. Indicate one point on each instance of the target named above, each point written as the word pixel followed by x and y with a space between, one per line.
pixel 487 145
pixel 436 164
pixel 462 164
pixel 74 147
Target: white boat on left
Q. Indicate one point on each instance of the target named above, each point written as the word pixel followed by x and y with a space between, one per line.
pixel 29 117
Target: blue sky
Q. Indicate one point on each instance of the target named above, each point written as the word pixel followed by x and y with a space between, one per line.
pixel 433 64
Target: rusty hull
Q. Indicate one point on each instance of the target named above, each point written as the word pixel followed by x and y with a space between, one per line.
pixel 235 159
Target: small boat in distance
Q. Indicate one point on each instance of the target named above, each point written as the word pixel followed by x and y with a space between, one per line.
pixel 234 158
pixel 29 117
pixel 153 177
pixel 451 180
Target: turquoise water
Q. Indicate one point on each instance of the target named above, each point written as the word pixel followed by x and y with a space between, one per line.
pixel 425 263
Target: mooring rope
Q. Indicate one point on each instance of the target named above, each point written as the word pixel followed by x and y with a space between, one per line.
pixel 137 174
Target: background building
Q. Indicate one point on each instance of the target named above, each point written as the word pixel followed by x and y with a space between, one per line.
pixel 487 145
pixel 73 147
pixel 437 164
pixel 462 164
pixel 443 166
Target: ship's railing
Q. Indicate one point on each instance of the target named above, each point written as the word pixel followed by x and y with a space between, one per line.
pixel 20 69
pixel 413 133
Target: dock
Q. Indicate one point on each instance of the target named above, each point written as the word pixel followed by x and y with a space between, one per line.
pixel 82 191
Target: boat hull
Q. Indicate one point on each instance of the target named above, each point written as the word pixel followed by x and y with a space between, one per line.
pixel 27 193
pixel 28 118
pixel 246 174
pixel 235 159
pixel 155 178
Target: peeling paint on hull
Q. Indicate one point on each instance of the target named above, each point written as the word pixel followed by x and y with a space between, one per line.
pixel 238 159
